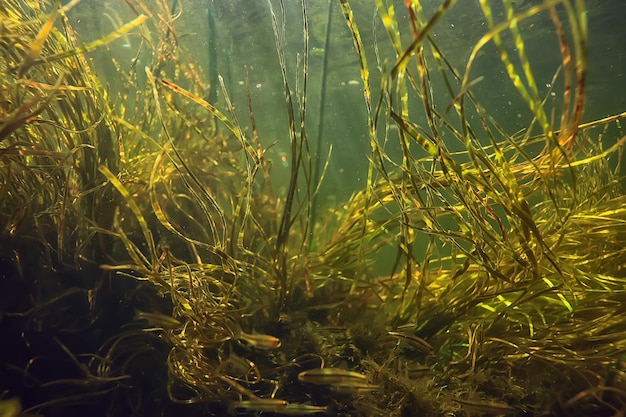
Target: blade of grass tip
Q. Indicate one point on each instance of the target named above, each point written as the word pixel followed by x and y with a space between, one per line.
pixel 602 121
pixel 134 208
pixel 95 44
pixel 532 99
pixel 116 21
pixel 400 66
pixel 34 52
pixel 523 58
pixel 68 6
pixel 388 16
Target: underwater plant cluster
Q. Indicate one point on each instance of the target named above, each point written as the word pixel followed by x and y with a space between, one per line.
pixel 159 256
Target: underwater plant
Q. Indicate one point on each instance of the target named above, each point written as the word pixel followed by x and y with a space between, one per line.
pixel 157 263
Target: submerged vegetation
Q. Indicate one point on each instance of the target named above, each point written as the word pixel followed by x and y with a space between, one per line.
pixel 151 267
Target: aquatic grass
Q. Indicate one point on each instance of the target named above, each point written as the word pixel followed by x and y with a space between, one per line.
pixel 254 265
pixel 39 94
pixel 508 248
pixel 505 261
pixel 56 131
